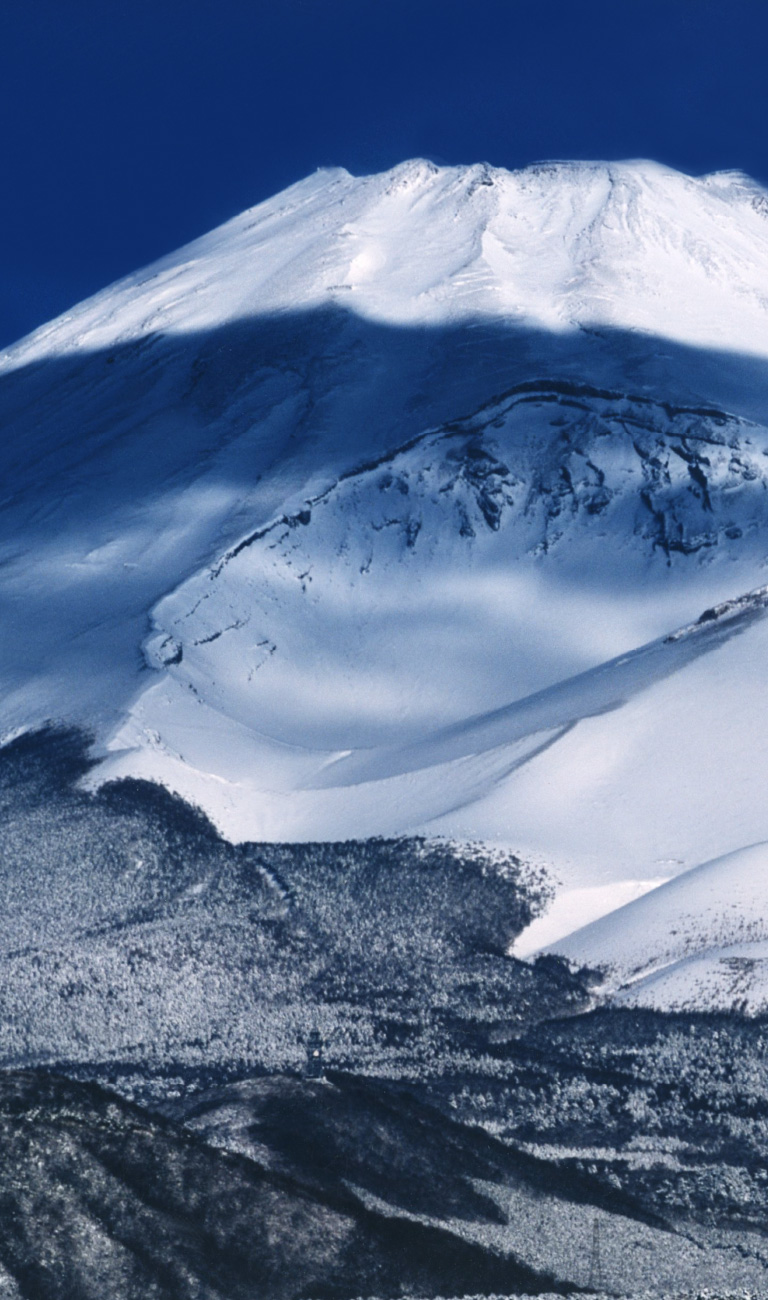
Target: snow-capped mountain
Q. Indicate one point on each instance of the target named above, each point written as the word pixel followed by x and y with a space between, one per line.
pixel 431 501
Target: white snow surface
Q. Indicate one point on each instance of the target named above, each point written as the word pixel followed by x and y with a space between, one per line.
pixel 698 940
pixel 374 511
pixel 560 245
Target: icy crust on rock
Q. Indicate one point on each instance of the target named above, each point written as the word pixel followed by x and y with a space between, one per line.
pixel 355 619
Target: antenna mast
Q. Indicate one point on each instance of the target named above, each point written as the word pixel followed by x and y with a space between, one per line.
pixel 595 1261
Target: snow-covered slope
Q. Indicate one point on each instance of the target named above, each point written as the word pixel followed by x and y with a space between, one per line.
pixel 559 245
pixel 375 510
pixel 699 940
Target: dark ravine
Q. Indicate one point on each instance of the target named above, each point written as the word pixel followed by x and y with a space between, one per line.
pixel 106 1200
pixel 381 1140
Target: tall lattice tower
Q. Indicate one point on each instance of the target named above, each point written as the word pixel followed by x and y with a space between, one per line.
pixel 595 1261
pixel 314 1068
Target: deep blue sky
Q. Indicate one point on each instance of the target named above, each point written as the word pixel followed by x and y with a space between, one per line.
pixel 131 126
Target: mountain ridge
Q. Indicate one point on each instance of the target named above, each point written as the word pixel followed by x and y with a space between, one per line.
pixel 562 372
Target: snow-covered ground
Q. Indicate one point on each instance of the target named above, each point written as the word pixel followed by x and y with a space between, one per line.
pixel 558 245
pixel 376 509
pixel 698 940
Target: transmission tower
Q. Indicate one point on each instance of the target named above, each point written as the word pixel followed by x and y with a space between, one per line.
pixel 595 1261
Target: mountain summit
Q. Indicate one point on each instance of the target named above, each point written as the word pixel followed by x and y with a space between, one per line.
pixel 556 246
pixel 429 501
